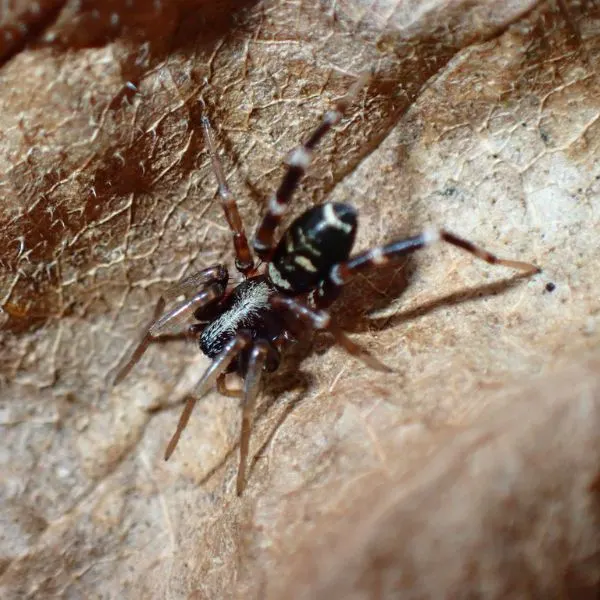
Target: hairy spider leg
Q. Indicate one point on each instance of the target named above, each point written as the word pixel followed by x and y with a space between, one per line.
pixel 341 273
pixel 321 320
pixel 194 282
pixel 218 366
pixel 212 282
pixel 172 321
pixel 256 364
pixel 244 261
pixel 298 162
pixel 141 347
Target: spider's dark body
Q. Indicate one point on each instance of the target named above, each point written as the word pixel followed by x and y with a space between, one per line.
pixel 247 308
pixel 245 328
pixel 317 240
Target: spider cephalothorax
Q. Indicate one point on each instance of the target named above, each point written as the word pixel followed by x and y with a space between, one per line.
pixel 245 327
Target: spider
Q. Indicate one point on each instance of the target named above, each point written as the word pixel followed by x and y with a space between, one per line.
pixel 244 328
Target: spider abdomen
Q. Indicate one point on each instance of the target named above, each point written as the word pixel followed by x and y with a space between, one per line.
pixel 318 239
pixel 246 307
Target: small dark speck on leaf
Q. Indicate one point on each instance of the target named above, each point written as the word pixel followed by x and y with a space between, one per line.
pixel 550 286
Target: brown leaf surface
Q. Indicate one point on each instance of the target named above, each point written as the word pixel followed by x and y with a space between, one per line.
pixel 483 117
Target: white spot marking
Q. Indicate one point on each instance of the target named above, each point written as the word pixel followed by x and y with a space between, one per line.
pixel 305 263
pixel 332 219
pixel 277 278
pixel 321 320
pixel 377 256
pixel 431 236
pixel 275 207
pixel 335 276
pixel 300 157
pixel 331 117
pixel 289 242
pixel 305 243
pixel 259 246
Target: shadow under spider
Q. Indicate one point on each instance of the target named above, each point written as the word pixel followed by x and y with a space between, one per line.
pixel 288 378
pixel 380 290
pixel 453 299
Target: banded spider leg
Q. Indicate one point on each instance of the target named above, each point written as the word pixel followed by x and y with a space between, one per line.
pixel 298 162
pixel 321 321
pixel 341 273
pixel 206 287
pixel 258 355
pixel 243 257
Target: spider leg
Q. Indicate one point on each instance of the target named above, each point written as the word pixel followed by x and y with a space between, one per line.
pixel 321 320
pixel 172 321
pixel 216 368
pixel 341 273
pixel 141 347
pixel 243 257
pixel 192 283
pixel 224 390
pixel 298 162
pixel 169 323
pixel 256 364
